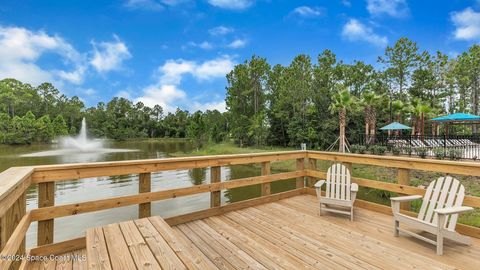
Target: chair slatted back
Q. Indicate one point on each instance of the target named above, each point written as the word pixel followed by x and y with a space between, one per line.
pixel 444 192
pixel 338 182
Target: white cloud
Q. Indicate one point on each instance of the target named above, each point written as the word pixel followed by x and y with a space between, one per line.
pixel 354 30
pixel 109 56
pixel 467 23
pixel 20 49
pixel 215 68
pixel 164 95
pixel 308 12
pixel 166 91
pixel 76 76
pixel 231 4
pixel 237 44
pixel 202 45
pixel 173 70
pixel 393 8
pixel 124 94
pixel 220 30
pixel 220 106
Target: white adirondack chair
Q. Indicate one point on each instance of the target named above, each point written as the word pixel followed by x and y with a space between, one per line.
pixel 340 193
pixel 438 214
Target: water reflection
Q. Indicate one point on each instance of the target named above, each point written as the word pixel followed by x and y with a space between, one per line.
pixel 88 189
pixel 197 175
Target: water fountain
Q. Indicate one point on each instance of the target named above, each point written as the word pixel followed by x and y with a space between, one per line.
pixel 81 142
pixel 79 148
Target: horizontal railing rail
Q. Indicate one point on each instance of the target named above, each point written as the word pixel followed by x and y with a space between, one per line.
pixel 15 220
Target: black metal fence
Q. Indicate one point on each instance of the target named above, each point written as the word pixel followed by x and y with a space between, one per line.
pixel 447 146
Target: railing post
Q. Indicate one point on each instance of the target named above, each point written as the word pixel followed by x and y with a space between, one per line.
pixel 8 223
pixel 215 177
pixel 46 197
pixel 300 182
pixel 144 185
pixel 403 178
pixel 265 171
pixel 312 165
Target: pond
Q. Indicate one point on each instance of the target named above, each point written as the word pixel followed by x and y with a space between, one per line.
pixel 106 187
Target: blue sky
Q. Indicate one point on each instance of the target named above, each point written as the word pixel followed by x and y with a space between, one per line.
pixel 176 52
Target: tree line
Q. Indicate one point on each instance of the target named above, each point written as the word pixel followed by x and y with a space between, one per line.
pixel 42 114
pixel 308 101
pixel 300 103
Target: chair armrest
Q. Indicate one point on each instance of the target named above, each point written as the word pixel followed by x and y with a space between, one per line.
pixel 354 187
pixel 453 210
pixel 319 184
pixel 406 198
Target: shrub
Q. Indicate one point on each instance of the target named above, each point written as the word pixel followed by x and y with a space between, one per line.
pixel 408 150
pixel 362 149
pixel 378 150
pixel 439 153
pixel 354 148
pixel 422 152
pixel 396 151
pixel 454 154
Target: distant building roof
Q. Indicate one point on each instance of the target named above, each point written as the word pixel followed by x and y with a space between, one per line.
pixel 457 117
pixel 395 126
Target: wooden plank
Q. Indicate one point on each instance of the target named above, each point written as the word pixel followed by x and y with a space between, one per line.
pixel 59 248
pixel 300 166
pixel 265 188
pixel 9 223
pixel 85 207
pixel 118 251
pixel 15 242
pixel 144 185
pixel 270 260
pixel 47 173
pixel 219 261
pixel 13 184
pixel 269 244
pixel 185 253
pixel 80 262
pixel 159 247
pixel 172 221
pixel 403 178
pixel 215 177
pixel 97 252
pixel 221 246
pixel 46 198
pixel 225 244
pixel 141 253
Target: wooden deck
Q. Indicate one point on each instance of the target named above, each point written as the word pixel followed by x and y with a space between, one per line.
pixel 287 234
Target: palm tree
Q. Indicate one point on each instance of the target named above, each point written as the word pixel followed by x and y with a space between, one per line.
pixel 399 109
pixel 370 102
pixel 342 101
pixel 420 110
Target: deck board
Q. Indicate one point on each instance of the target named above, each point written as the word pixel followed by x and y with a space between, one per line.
pixel 286 234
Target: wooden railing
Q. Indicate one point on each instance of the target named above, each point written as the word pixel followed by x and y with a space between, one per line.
pixel 15 220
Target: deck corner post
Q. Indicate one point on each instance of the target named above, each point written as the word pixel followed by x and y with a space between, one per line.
pixel 46 198
pixel 403 178
pixel 266 188
pixel 144 185
pixel 300 166
pixel 9 221
pixel 215 177
pixel 312 165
